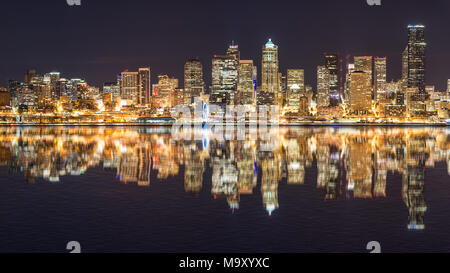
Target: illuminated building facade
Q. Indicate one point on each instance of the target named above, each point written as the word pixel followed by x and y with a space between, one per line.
pixel 295 88
pixel 332 64
pixel 270 78
pixel 111 88
pixel 416 57
pixel 144 86
pixel 350 70
pixel 364 64
pixel 129 87
pixel 225 77
pixel 193 81
pixel 323 86
pixel 166 91
pixel 246 90
pixel 360 93
pixel 379 75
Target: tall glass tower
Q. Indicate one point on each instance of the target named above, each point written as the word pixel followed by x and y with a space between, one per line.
pixel 332 64
pixel 416 57
pixel 270 67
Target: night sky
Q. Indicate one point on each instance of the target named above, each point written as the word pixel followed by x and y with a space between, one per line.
pixel 101 38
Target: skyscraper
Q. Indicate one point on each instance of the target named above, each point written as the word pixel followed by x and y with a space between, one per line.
pixel 144 86
pixel 416 57
pixel 348 79
pixel 30 74
pixel 323 86
pixel 448 86
pixel 193 80
pixel 233 49
pixel 380 74
pixel 224 79
pixel 129 87
pixel 111 88
pixel 295 88
pixel 166 91
pixel 270 68
pixel 364 64
pixel 405 69
pixel 360 92
pixel 246 83
pixel 332 64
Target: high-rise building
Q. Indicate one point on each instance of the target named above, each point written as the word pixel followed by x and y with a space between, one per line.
pixel 193 81
pixel 323 86
pixel 51 79
pixel 416 57
pixel 364 64
pixel 295 88
pixel 332 64
pixel 224 79
pixel 111 88
pixel 233 49
pixel 360 92
pixel 405 69
pixel 144 96
pixel 166 91
pixel 270 79
pixel 348 78
pixel 13 87
pixel 129 87
pixel 246 94
pixel 448 86
pixel 30 74
pixel 380 74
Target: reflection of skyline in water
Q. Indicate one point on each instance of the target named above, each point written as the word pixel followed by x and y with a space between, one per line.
pixel 350 162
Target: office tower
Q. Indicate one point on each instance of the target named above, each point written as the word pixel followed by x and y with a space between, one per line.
pixel 405 69
pixel 129 87
pixel 93 93
pixel 416 57
pixel 332 64
pixel 323 86
pixel 233 50
pixel 81 89
pixel 166 91
pixel 144 95
pixel 360 92
pixel 270 69
pixel 224 79
pixel 448 86
pixel 380 74
pixel 193 81
pixel 111 88
pixel 295 88
pixel 364 64
pixel 246 83
pixel 30 74
pixel 13 87
pixel 5 97
pixel 348 78
pixel 176 97
pixel 26 96
pixel 51 79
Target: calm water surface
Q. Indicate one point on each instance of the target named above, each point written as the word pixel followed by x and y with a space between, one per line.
pixel 140 189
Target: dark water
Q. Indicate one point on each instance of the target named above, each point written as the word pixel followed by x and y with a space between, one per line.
pixel 139 189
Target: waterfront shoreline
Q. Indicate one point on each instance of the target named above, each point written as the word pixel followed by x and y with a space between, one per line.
pixel 328 124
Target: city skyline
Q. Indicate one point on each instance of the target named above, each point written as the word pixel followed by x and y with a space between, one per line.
pixel 300 47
